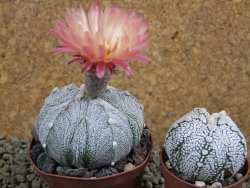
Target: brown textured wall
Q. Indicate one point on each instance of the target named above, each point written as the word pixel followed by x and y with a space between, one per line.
pixel 200 58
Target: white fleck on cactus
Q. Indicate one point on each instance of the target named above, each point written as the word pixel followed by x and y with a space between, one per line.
pixel 205 147
pixel 91 126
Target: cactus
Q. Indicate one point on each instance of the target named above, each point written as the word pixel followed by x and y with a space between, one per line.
pixel 205 147
pixel 94 125
pixel 91 126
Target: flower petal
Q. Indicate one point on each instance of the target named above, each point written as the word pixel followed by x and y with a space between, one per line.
pixel 93 18
pixel 61 49
pixel 75 60
pixel 100 70
pixel 140 57
pixel 86 66
pixel 124 65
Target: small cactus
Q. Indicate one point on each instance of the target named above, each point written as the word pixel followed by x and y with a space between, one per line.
pixel 204 147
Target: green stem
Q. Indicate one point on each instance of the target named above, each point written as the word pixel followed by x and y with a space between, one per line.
pixel 95 87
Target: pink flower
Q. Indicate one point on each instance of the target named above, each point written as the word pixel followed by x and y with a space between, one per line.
pixel 102 39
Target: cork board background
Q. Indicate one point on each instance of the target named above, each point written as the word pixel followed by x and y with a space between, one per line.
pixel 200 58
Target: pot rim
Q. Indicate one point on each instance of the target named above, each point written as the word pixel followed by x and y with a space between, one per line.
pixel 92 178
pixel 242 180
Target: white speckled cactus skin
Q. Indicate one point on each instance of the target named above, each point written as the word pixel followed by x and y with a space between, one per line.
pixel 202 147
pixel 81 131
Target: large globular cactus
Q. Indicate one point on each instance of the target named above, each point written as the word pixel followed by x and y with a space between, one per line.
pixel 205 147
pixel 94 125
pixel 89 126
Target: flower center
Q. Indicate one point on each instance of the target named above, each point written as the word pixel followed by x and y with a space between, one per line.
pixel 108 52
